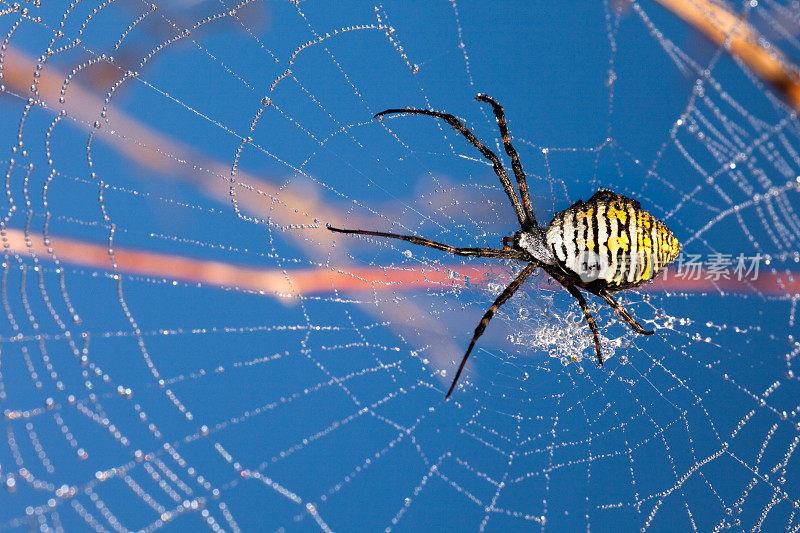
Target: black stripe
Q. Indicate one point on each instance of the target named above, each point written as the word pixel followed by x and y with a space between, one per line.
pixel 628 219
pixel 576 229
pixel 619 253
pixel 607 222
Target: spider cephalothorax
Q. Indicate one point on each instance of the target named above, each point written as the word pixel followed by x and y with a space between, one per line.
pixel 606 244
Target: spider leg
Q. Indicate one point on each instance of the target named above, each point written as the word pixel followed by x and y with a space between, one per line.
pixel 623 313
pixel 516 165
pixel 507 293
pixel 459 126
pixel 473 252
pixel 589 318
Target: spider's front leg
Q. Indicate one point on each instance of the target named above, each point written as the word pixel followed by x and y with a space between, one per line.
pixel 522 216
pixel 516 165
pixel 515 255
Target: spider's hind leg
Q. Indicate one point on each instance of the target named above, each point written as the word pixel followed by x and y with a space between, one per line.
pixel 503 298
pixel 589 318
pixel 623 313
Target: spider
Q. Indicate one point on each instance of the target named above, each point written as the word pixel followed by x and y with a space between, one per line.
pixel 604 245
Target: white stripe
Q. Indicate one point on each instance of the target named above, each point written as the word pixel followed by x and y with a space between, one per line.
pixel 602 233
pixel 555 239
pixel 557 244
pixel 613 263
pixel 602 242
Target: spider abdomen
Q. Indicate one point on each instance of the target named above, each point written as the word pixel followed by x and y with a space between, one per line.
pixel 610 242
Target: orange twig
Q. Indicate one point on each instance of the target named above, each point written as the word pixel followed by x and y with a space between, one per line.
pixel 743 41
pixel 293 283
pixel 282 283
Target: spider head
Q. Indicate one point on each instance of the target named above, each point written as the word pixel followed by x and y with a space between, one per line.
pixel 512 243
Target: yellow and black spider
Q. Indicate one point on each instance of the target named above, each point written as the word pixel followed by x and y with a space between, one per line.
pixel 604 245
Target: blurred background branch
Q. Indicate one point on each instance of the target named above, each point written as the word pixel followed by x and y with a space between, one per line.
pixel 167 159
pixel 287 284
pixel 295 209
pixel 743 41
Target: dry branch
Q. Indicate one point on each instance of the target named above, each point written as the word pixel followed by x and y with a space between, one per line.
pixel 741 40
pixel 299 282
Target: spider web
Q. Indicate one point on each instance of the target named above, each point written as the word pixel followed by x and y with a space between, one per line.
pixel 185 345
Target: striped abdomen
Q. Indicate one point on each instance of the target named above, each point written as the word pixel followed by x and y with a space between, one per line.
pixel 611 242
